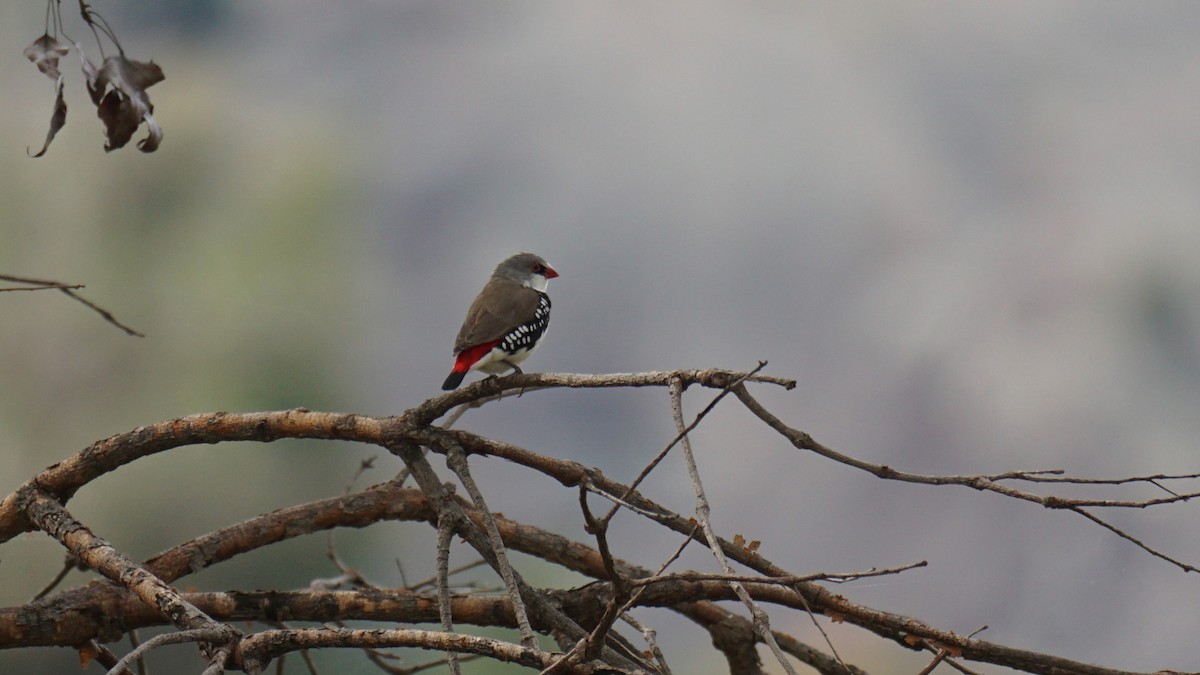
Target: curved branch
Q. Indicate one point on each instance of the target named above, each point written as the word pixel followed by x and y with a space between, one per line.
pixel 583 603
pixel 63 479
pixel 256 651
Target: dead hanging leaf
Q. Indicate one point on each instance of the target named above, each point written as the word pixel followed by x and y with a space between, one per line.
pixel 57 119
pixel 749 548
pixel 45 53
pixel 120 120
pixel 118 88
pixel 87 653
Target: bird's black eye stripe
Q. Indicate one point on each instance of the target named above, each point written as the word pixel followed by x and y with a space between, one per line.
pixel 539 268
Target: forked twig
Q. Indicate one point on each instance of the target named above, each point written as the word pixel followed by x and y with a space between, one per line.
pixel 682 435
pixel 69 289
pixel 761 621
pixel 804 441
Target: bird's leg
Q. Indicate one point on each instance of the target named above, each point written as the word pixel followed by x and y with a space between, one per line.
pixel 516 371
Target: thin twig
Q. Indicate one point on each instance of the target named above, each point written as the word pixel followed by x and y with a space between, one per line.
pixel 48 287
pixel 456 459
pixel 937 660
pixel 445 532
pixel 108 316
pixel 958 666
pixel 101 654
pixel 589 646
pixel 134 641
pixel 648 513
pixel 651 638
pixel 761 621
pixel 804 441
pixel 835 577
pixel 682 435
pixel 69 564
pixel 449 573
pixel 349 574
pixel 193 635
pixel 306 657
pixel 69 289
pixel 1055 476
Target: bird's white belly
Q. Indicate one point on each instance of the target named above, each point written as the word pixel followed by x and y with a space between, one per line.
pixel 497 361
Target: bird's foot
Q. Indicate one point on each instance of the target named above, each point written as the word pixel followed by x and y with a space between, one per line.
pixel 493 378
pixel 516 371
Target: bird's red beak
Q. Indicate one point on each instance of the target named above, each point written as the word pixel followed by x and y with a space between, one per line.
pixel 550 272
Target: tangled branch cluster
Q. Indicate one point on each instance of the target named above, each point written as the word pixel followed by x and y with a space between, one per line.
pixel 582 621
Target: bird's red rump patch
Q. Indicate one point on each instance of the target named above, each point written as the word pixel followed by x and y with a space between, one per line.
pixel 468 357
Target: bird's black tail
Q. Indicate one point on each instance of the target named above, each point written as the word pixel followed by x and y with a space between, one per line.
pixel 454 380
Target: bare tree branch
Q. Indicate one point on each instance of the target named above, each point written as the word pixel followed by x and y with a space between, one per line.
pixel 804 441
pixel 98 554
pixel 69 289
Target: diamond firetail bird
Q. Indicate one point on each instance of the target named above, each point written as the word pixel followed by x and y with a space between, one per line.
pixel 506 321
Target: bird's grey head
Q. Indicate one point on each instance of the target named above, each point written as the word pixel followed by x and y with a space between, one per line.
pixel 526 269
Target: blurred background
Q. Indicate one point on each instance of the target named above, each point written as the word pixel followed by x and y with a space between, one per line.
pixel 970 231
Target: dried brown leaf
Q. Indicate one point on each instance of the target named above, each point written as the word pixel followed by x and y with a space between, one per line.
pixel 57 119
pixel 87 653
pixel 120 119
pixel 118 88
pixel 45 53
pixel 132 76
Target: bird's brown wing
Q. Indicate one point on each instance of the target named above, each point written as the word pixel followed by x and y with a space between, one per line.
pixel 501 306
